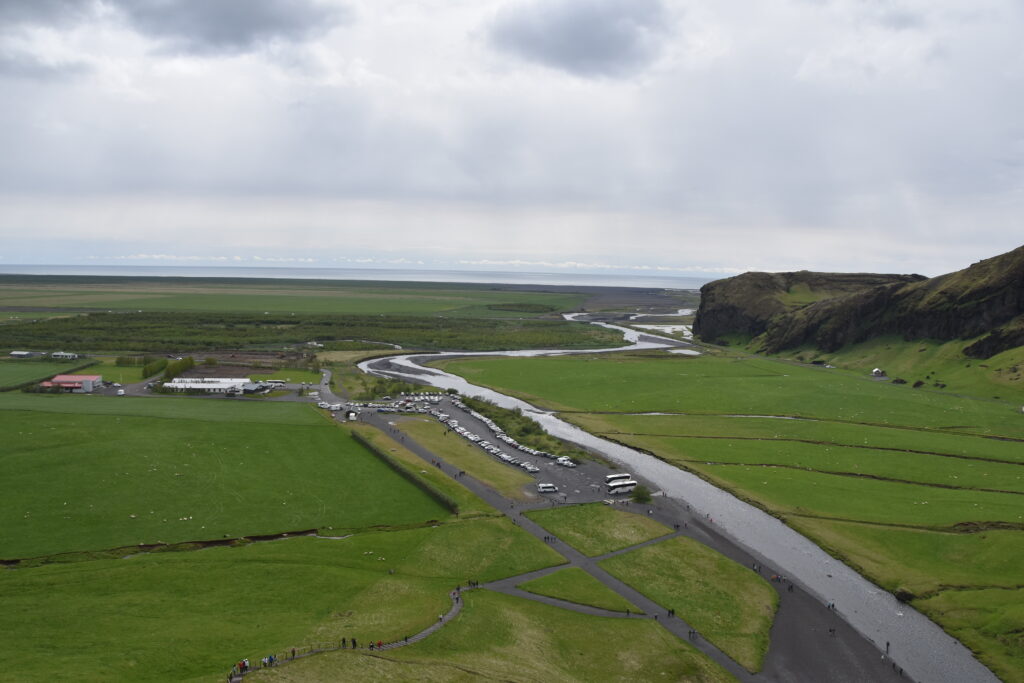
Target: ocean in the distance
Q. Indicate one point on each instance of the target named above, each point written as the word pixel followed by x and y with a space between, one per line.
pixel 384 274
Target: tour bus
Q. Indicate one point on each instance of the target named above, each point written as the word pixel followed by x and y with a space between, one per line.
pixel 547 488
pixel 621 486
pixel 273 381
pixel 621 476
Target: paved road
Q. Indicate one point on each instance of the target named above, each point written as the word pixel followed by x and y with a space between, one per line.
pixel 801 649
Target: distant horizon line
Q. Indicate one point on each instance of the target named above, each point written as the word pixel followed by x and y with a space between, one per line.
pixel 450 275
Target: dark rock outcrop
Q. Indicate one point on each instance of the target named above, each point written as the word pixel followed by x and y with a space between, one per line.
pixel 746 304
pixel 985 299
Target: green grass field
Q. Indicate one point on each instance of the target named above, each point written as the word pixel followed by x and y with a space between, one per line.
pixel 14 373
pixel 254 296
pixel 595 529
pixel 659 382
pixel 499 637
pixel 575 585
pixel 923 491
pixel 191 615
pixel 730 605
pixel 509 481
pixel 470 505
pixel 934 362
pixel 990 620
pixel 156 470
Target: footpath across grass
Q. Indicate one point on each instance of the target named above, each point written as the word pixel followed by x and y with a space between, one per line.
pixel 595 529
pixel 728 604
pixel 500 637
pixel 191 615
pixel 575 585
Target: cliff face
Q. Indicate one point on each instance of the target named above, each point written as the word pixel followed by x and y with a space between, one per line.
pixel 985 299
pixel 748 303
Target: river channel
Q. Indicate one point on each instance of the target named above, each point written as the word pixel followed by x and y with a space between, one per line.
pixel 917 644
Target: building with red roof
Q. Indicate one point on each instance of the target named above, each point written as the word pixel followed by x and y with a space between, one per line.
pixel 79 384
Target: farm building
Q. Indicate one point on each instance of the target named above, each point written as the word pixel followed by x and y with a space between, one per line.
pixel 23 354
pixel 78 384
pixel 64 355
pixel 211 385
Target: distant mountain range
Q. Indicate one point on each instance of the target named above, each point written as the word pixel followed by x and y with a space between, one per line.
pixel 784 311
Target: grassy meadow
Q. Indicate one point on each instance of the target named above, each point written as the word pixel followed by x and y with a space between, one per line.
pixel 596 529
pixel 730 605
pixel 14 373
pixel 500 637
pixel 920 489
pixel 87 473
pixel 276 296
pixel 575 585
pixel 191 615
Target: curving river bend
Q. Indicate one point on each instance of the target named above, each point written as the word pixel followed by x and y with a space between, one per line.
pixel 917 644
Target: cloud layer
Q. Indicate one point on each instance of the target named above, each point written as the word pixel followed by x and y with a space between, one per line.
pixel 839 135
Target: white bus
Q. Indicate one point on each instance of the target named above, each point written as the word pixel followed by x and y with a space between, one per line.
pixel 621 476
pixel 621 486
pixel 273 381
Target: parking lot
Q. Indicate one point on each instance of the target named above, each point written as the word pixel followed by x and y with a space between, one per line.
pixel 580 482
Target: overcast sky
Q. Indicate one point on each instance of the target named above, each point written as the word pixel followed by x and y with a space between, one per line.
pixel 620 136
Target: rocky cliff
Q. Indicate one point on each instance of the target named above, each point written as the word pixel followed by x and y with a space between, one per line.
pixel 984 301
pixel 746 304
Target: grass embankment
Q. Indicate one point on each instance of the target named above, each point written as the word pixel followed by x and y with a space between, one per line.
pixel 86 473
pixel 730 605
pixel 509 481
pixel 189 616
pixel 575 585
pixel 499 637
pixel 920 490
pixel 595 529
pixel 468 503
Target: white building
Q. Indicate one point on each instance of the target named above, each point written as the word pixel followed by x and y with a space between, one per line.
pixel 211 385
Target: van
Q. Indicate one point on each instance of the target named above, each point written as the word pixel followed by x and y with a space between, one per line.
pixel 547 488
pixel 120 392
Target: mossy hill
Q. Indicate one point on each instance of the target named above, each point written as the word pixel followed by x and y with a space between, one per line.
pixel 777 312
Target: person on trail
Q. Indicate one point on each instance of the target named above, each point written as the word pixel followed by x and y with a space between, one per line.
pixel 354 646
pixel 380 644
pixel 344 643
pixel 371 644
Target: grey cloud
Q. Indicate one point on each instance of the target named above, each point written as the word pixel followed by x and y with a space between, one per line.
pixel 23 65
pixel 44 12
pixel 583 37
pixel 229 26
